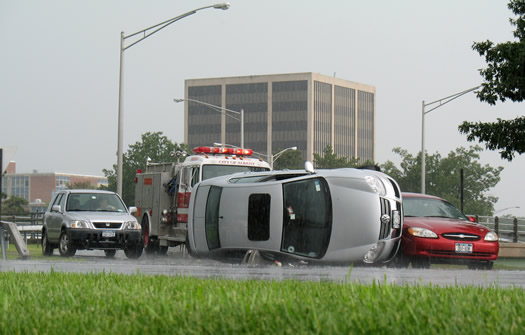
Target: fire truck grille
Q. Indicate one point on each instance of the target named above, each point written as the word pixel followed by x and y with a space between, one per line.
pixel 107 225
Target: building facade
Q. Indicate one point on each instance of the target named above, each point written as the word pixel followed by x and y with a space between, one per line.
pixel 39 188
pixel 305 110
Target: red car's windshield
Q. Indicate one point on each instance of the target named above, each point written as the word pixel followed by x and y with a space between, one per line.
pixel 427 207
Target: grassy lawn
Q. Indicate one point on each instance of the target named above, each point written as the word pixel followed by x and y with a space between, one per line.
pixel 106 303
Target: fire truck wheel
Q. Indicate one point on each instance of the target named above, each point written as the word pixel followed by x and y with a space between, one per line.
pixel 162 250
pixel 149 244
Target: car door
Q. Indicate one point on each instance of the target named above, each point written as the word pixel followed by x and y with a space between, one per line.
pixel 54 218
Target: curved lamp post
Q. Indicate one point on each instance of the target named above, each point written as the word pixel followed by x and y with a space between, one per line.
pixel 504 209
pixel 273 158
pixel 441 102
pixel 145 34
pixel 222 110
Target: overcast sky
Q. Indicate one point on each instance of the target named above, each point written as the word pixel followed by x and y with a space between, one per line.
pixel 59 70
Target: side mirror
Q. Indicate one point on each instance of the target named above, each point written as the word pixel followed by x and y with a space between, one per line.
pixel 309 167
pixel 56 208
pixel 132 210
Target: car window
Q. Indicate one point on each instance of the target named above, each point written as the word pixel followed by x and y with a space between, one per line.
pixel 307 220
pixel 56 200
pixel 428 207
pixel 211 222
pixel 94 202
pixel 259 217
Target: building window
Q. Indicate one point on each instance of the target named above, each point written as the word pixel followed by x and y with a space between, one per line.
pixel 290 115
pixel 322 116
pixel 365 129
pixel 204 122
pixel 20 187
pixel 62 182
pixel 253 99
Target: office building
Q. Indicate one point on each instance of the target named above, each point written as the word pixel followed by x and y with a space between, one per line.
pixel 306 110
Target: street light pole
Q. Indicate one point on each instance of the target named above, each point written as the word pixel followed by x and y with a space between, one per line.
pixel 504 209
pixel 441 102
pixel 146 33
pixel 273 158
pixel 220 110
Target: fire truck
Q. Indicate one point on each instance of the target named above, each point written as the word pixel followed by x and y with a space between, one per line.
pixel 163 191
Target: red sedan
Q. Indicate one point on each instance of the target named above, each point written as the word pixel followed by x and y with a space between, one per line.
pixel 434 231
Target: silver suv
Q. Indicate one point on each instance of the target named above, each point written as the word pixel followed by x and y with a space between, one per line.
pixel 90 219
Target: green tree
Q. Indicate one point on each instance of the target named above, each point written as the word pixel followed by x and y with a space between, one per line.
pixel 14 206
pixel 504 79
pixel 291 160
pixel 443 177
pixel 153 146
pixel 329 160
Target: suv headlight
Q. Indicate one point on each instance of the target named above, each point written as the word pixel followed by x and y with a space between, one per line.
pixel 131 225
pixel 376 185
pixel 79 224
pixel 491 236
pixel 422 232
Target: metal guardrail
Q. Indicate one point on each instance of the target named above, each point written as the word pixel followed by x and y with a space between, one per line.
pixel 508 229
pixel 29 225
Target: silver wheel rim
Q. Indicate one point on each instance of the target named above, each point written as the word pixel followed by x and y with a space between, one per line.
pixel 64 244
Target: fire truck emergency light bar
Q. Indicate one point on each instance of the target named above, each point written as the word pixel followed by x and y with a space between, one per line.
pixel 228 151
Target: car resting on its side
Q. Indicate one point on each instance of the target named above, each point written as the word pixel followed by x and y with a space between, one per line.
pixel 335 216
pixel 90 219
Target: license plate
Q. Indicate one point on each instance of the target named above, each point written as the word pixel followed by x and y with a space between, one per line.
pixel 108 233
pixel 464 248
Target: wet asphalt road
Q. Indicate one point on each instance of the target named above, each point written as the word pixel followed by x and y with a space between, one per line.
pixel 176 264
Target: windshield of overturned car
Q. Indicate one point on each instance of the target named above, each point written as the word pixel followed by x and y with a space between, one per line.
pixel 94 202
pixel 307 221
pixel 422 207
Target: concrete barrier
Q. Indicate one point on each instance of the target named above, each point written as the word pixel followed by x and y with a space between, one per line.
pixel 512 250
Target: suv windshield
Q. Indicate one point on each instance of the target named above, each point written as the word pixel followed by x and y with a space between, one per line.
pixel 94 202
pixel 426 207
pixel 211 171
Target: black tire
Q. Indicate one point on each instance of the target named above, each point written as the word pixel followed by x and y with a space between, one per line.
pixel 162 251
pixel 64 245
pixel 47 249
pixel 480 265
pixel 134 251
pixel 110 253
pixel 399 261
pixel 420 262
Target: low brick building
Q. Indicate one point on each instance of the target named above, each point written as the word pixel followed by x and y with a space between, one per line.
pixel 39 188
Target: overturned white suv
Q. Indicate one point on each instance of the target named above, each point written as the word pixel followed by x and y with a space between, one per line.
pixel 90 219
